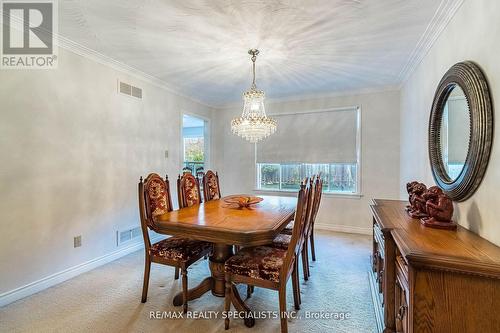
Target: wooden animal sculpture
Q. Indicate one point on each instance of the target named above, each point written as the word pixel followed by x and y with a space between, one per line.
pixel 409 189
pixel 417 202
pixel 439 209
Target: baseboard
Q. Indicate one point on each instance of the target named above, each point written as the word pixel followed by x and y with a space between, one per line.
pixel 343 228
pixel 51 280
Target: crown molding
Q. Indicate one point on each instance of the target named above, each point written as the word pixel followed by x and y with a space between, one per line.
pixel 305 97
pixel 442 17
pixel 95 56
pixel 98 57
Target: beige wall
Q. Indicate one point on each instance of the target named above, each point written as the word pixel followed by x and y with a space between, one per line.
pixel 473 34
pixel 235 157
pixel 72 153
pixel 73 149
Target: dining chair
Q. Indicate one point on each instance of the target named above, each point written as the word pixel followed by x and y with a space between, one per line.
pixel 200 171
pixel 268 266
pixel 179 252
pixel 188 190
pixel 211 187
pixel 282 240
pixel 318 194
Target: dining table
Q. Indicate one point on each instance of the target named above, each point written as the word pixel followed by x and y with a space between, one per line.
pixel 226 225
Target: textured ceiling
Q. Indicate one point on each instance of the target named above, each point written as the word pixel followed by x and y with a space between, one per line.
pixel 307 47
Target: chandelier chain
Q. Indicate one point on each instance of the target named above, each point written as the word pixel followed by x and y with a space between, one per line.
pixel 254 58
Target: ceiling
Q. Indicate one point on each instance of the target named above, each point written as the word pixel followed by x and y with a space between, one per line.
pixel 307 47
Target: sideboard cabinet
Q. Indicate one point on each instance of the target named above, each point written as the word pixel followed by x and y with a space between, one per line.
pixel 431 280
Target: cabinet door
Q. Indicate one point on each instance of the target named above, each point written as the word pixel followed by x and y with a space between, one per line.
pixel 378 256
pixel 380 270
pixel 401 307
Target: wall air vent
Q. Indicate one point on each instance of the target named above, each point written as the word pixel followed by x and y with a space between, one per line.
pixel 128 235
pixel 129 90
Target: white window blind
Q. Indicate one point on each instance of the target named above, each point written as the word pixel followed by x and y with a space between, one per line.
pixel 312 137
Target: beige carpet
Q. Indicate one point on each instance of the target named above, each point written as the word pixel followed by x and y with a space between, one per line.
pixel 107 299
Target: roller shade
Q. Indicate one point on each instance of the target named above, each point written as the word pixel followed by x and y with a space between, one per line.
pixel 312 137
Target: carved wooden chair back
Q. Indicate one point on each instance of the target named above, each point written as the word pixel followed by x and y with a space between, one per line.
pixel 188 190
pixel 154 200
pixel 211 187
pixel 318 193
pixel 199 172
pixel 310 208
pixel 302 213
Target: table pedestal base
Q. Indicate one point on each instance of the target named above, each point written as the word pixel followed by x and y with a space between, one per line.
pixel 195 292
pixel 216 283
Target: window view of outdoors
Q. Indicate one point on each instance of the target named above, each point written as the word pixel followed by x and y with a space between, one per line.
pixel 290 177
pixel 337 178
pixel 193 133
pixel 193 149
pixel 269 176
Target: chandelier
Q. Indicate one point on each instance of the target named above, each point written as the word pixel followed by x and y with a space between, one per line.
pixel 253 125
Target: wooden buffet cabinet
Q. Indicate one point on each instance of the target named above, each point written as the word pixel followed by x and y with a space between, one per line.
pixel 431 280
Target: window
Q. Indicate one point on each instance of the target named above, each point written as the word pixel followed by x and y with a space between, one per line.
pixel 326 142
pixel 337 178
pixel 194 149
pixel 194 143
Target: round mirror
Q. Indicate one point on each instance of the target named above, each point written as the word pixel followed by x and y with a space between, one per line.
pixel 455 132
pixel 461 130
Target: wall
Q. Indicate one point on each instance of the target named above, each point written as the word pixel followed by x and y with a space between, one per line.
pixel 472 34
pixel 72 153
pixel 380 155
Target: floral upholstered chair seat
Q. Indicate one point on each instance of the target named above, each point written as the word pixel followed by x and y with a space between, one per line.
pixel 288 229
pixel 181 249
pixel 259 262
pixel 282 241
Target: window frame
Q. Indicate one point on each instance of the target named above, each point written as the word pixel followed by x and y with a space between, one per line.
pixel 356 194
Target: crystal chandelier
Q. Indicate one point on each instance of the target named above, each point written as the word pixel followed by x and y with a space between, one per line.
pixel 253 125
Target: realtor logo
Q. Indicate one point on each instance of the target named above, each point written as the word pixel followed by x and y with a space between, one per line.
pixel 28 34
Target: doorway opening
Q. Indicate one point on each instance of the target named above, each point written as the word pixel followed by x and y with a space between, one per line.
pixel 195 144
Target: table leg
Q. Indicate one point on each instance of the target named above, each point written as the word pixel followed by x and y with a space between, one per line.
pixel 216 282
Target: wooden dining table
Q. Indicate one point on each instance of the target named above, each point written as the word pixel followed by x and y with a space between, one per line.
pixel 224 225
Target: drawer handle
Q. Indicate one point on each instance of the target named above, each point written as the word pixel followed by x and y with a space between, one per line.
pixel 401 312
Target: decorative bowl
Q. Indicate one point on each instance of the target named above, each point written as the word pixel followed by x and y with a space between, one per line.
pixel 242 201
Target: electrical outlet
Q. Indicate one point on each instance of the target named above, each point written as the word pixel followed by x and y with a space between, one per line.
pixel 166 153
pixel 77 241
